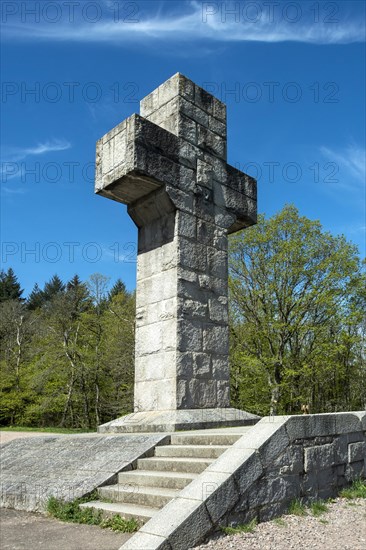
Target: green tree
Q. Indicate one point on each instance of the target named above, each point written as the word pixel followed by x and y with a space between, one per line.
pixel 118 287
pixel 52 288
pixel 16 332
pixel 295 315
pixel 35 299
pixel 9 286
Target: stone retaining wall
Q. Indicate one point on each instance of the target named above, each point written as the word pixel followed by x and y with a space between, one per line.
pixel 279 460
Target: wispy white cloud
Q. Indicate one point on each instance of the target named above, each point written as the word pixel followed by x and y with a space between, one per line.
pixel 350 160
pixel 15 154
pixel 13 191
pixel 11 165
pixel 194 21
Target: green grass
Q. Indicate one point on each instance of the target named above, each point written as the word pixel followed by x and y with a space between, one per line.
pixel 297 508
pixel 324 521
pixel 45 430
pixel 357 490
pixel 72 513
pixel 117 523
pixel 247 528
pixel 318 507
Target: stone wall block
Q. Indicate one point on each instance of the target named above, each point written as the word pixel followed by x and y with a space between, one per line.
pixel 216 339
pixel 187 179
pixel 192 255
pixel 218 491
pixel 181 200
pixel 203 393
pixel 215 125
pixel 309 484
pixel 193 309
pixel 185 365
pixel 188 129
pixel 270 439
pixel 223 392
pixel 307 426
pixel 211 142
pixel 291 461
pixel 217 262
pixel 149 397
pixel 202 365
pixel 340 449
pixel 189 335
pixel 357 451
pixel 213 284
pixel 204 173
pixel 194 112
pixel 347 422
pixel 319 458
pixel 220 366
pixel 205 232
pixel 218 308
pixel 149 104
pixel 181 522
pixel 355 470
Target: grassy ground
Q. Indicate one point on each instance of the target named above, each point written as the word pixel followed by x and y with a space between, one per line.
pixel 45 430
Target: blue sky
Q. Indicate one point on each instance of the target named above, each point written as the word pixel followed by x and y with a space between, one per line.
pixel 291 73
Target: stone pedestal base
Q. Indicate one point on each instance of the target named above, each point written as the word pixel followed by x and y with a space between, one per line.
pixel 176 420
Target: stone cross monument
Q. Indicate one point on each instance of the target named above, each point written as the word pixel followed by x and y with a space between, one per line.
pixel 169 166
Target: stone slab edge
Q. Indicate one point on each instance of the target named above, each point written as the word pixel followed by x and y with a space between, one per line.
pixel 185 521
pixel 104 477
pixel 185 419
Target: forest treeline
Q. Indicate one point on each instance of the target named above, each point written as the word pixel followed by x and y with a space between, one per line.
pixel 297 299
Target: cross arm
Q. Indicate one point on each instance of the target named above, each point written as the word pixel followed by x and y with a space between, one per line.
pixel 134 159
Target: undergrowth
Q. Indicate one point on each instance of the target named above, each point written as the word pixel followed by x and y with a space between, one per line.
pixel 357 490
pixel 247 528
pixel 71 512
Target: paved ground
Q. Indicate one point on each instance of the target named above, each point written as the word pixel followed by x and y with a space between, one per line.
pixel 27 531
pixel 9 436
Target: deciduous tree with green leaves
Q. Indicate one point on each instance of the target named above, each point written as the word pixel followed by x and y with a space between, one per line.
pixel 296 317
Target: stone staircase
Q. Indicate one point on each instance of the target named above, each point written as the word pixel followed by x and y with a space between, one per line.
pixel 142 492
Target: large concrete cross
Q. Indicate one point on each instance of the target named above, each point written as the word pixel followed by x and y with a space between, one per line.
pixel 169 166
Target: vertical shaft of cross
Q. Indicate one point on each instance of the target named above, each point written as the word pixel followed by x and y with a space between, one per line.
pixel 169 165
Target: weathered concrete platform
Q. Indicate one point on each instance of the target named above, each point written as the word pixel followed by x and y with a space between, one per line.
pixel 174 420
pixel 67 467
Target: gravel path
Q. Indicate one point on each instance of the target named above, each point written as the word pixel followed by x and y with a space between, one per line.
pixel 343 527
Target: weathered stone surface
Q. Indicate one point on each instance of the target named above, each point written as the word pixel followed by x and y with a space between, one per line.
pixel 269 439
pixel 182 522
pixel 357 451
pixel 169 166
pixel 217 490
pixel 312 425
pixel 68 467
pixel 362 416
pixel 181 419
pixel 319 458
pixel 146 541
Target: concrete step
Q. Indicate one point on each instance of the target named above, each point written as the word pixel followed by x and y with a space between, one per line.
pixel 164 464
pixel 155 497
pixel 140 513
pixel 191 451
pixel 168 480
pixel 206 439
